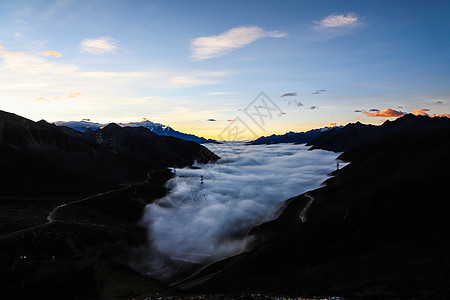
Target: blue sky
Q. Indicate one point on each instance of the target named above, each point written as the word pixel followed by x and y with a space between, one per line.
pixel 182 63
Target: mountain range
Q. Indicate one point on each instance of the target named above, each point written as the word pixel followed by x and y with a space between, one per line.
pixel 157 128
pixel 354 135
pixel 378 229
pixel 38 155
pixel 70 203
pixel 292 137
pixel 342 138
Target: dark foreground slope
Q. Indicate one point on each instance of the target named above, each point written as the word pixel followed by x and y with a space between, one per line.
pixel 69 207
pixel 379 230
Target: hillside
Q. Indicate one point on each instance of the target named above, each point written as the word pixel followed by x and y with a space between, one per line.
pixel 357 134
pixel 69 207
pixel 38 157
pixel 378 230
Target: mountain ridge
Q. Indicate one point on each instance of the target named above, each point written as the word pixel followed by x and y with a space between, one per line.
pixel 157 128
pixel 357 134
pixel 292 137
pixel 376 230
pixel 41 153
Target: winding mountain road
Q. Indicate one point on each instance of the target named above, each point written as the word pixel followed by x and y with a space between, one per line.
pixel 50 217
pixel 302 214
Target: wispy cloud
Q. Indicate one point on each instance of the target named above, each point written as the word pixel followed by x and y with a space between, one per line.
pixel 296 103
pixel 218 45
pixel 73 95
pixel 34 69
pixel 226 93
pixel 98 46
pixel 195 79
pixel 336 21
pixel 289 94
pixel 26 77
pixel 20 22
pixel 318 92
pixel 25 67
pixel 4 52
pixel 335 25
pixel 52 53
pixel 18 35
pixel 57 98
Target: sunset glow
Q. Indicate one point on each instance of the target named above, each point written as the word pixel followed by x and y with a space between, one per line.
pixel 184 64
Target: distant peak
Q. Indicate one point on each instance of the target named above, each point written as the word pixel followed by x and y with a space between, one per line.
pixel 43 122
pixel 112 126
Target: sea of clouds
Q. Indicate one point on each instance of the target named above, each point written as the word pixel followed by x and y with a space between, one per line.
pixel 199 223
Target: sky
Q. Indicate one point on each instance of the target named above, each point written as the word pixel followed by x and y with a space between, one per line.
pixel 225 69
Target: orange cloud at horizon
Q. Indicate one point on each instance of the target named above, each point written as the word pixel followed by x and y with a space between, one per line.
pixel 331 124
pixel 387 113
pixel 423 112
pixel 420 112
pixel 439 115
pixel 54 53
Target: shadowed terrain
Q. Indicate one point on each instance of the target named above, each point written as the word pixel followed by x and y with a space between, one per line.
pixel 378 229
pixel 69 207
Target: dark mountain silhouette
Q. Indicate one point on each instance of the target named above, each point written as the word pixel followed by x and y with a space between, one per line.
pixel 292 137
pixel 377 230
pixel 356 134
pixel 80 126
pixel 44 157
pixel 149 147
pixel 70 203
pixel 157 128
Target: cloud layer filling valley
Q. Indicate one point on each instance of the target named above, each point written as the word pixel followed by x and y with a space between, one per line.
pixel 202 223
